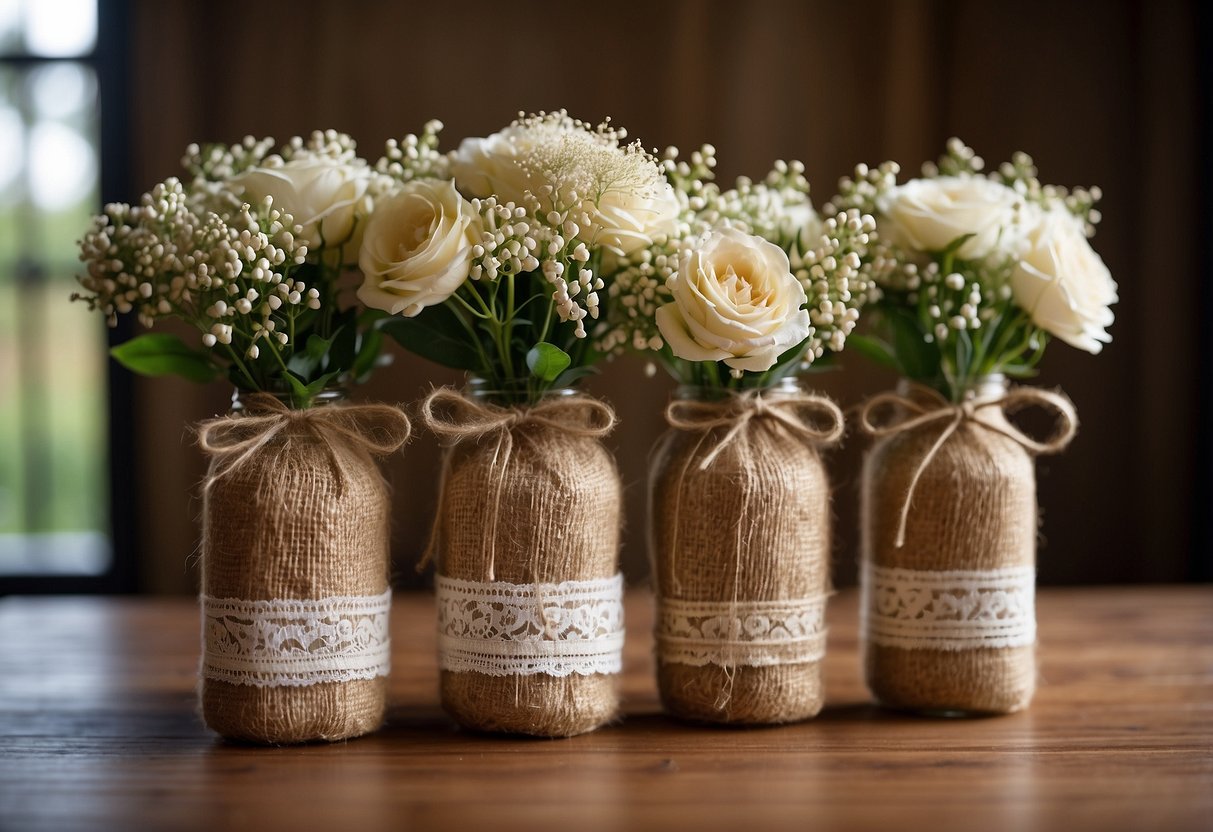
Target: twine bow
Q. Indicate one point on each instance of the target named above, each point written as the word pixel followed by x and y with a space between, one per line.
pixel 379 429
pixel 799 413
pixel 456 418
pixel 938 409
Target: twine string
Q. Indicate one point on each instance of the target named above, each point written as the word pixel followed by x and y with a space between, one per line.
pixel 457 418
pixel 379 429
pixel 927 407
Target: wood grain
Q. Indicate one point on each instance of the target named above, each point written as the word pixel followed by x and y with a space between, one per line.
pixel 98 731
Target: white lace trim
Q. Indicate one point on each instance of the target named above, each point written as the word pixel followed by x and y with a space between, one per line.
pixel 295 643
pixel 955 610
pixel 502 629
pixel 742 633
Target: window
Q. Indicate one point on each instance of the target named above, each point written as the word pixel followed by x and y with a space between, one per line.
pixel 54 404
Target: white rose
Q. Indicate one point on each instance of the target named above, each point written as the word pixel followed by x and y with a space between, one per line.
pixel 735 300
pixel 626 221
pixel 801 223
pixel 931 214
pixel 491 166
pixel 417 247
pixel 325 196
pixel 1062 283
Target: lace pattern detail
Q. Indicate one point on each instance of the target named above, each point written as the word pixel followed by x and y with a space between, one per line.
pixel 955 610
pixel 295 643
pixel 501 629
pixel 742 633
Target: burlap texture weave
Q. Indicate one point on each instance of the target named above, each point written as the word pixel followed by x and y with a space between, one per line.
pixel 973 508
pixel 301 517
pixel 546 512
pixel 753 525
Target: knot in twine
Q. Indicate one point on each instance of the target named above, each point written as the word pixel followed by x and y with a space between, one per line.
pixel 379 429
pixel 813 418
pixel 456 418
pixel 938 409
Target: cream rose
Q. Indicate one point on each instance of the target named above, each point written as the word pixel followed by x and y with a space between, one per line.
pixel 417 248
pixel 326 196
pixel 736 301
pixel 626 221
pixel 1062 283
pixel 491 166
pixel 930 214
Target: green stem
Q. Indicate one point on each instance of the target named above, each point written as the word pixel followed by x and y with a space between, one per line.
pixel 253 385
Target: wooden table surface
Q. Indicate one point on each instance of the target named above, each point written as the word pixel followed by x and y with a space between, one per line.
pixel 98 731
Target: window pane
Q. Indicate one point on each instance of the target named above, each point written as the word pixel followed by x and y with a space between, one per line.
pixel 59 28
pixel 53 496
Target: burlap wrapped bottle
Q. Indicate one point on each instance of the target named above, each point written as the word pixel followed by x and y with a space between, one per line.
pixel 740 537
pixel 530 500
pixel 295 563
pixel 949 525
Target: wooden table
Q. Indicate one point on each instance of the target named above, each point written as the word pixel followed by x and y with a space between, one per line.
pixel 98 731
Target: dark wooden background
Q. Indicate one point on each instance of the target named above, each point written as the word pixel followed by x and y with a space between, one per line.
pixel 1106 93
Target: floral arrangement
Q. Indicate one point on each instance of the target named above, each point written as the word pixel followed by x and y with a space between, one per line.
pixel 251 253
pixel 494 258
pixel 975 273
pixel 750 287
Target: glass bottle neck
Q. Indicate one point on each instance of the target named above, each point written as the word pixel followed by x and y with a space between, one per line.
pixel 509 394
pixel 788 385
pixel 240 398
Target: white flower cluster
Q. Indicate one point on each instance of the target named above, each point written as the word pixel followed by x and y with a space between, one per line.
pixel 414 157
pixel 835 271
pixel 212 166
pixel 829 258
pixel 964 249
pixel 162 258
pixel 549 194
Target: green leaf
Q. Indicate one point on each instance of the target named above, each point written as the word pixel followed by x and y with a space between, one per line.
pixel 368 353
pixel 956 245
pixel 343 344
pixel 547 361
pixel 306 362
pixel 787 363
pixel 320 383
pixel 299 391
pixel 371 318
pixel 918 359
pixel 573 375
pixel 437 335
pixel 874 349
pixel 161 354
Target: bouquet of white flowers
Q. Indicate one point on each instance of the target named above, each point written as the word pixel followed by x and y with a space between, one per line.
pixel 250 252
pixel 496 256
pixel 751 287
pixel 974 274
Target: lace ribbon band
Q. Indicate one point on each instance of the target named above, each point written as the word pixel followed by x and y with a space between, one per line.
pixel 956 610
pixel 295 643
pixel 502 629
pixel 742 633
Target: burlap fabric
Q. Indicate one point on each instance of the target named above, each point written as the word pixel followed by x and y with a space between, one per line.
pixel 740 511
pixel 294 507
pixel 956 491
pixel 529 495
